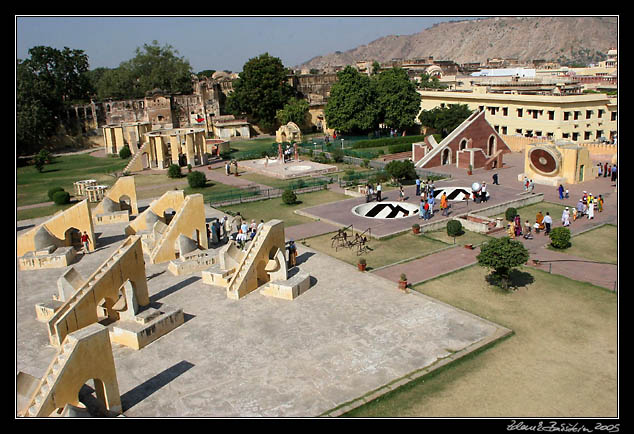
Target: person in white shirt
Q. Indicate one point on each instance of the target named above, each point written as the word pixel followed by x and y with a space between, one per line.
pixel 548 221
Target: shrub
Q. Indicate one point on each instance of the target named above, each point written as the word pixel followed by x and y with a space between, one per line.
pixel 337 155
pixel 174 171
pixel 125 152
pixel 560 238
pixel 510 214
pixel 54 190
pixel 454 228
pixel 196 179
pixel 362 261
pixel 61 197
pixel 289 197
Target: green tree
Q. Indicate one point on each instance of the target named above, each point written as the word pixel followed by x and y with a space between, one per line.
pixel 260 90
pixel 401 170
pixel 352 104
pixel 397 98
pixel 152 67
pixel 502 255
pixel 445 119
pixel 46 84
pixel 295 110
pixel 429 82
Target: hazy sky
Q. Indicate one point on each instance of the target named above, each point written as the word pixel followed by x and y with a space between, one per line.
pixel 212 42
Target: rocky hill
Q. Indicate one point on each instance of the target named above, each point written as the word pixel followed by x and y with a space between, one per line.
pixel 567 40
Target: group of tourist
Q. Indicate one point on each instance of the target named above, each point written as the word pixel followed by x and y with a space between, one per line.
pixel 606 170
pixel 371 191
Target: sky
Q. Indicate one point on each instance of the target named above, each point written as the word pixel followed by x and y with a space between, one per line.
pixel 212 42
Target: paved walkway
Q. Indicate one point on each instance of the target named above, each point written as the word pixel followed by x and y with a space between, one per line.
pixel 605 275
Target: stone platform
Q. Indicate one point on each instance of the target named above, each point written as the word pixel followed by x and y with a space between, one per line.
pixel 290 169
pixel 350 335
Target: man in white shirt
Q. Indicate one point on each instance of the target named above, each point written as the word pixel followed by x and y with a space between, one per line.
pixel 548 221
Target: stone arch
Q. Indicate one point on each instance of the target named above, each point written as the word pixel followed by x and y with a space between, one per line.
pixel 72 237
pixel 463 144
pixel 445 157
pixel 491 144
pixel 125 203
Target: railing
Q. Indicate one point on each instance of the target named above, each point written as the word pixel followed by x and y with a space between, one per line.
pixel 252 194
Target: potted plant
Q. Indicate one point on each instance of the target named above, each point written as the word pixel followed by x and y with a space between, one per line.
pixel 361 264
pixel 470 171
pixel 416 228
pixel 402 284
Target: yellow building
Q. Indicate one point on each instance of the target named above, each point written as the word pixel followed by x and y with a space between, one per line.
pixel 577 118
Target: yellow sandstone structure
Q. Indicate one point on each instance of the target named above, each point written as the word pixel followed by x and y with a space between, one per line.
pixel 85 355
pixel 52 244
pixel 261 264
pixel 117 294
pixel 171 221
pixel 119 202
pixel 559 163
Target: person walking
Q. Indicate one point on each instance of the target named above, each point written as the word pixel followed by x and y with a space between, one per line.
pixel 495 179
pixel 565 217
pixel 591 209
pixel 431 202
pixel 417 186
pixel 561 192
pixel 548 221
pixel 85 242
pixel 443 204
pixel 378 192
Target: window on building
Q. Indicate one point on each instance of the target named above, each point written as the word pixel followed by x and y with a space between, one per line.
pixel 599 113
pixel 566 116
pixel 587 135
pixel 575 137
pixel 577 113
pixel 520 112
pixel 588 114
pixel 504 130
pixel 505 111
pixel 551 115
pixel 613 117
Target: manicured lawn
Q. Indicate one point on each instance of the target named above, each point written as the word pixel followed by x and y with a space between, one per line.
pixel 32 186
pixel 380 252
pixel 561 360
pixel 600 244
pixel 276 209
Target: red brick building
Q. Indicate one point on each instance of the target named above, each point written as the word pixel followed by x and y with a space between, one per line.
pixel 473 143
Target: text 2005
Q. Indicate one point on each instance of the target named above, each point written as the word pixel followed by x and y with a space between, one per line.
pixel 607 428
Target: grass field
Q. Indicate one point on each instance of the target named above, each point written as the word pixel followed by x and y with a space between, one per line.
pixel 561 360
pixel 276 209
pixel 394 249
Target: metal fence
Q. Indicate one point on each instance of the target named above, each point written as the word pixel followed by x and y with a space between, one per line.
pixel 252 194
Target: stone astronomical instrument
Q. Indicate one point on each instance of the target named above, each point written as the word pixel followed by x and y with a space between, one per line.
pixel 544 160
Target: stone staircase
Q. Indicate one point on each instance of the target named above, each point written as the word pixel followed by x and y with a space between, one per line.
pixel 44 392
pixel 62 320
pixel 238 280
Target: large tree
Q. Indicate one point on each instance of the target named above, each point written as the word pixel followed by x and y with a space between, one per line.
pixel 260 91
pixel 296 111
pixel 152 67
pixel 352 104
pixel 46 84
pixel 397 98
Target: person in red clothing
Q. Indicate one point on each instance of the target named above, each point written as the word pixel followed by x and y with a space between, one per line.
pixel 85 240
